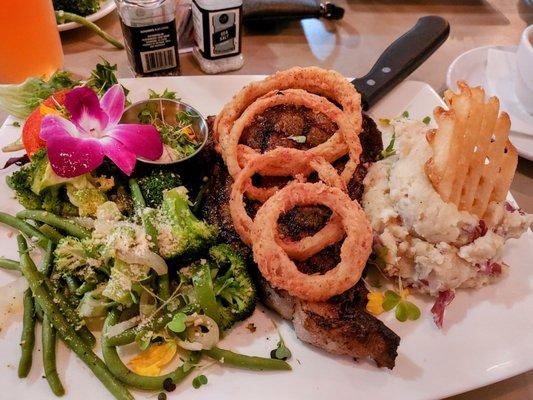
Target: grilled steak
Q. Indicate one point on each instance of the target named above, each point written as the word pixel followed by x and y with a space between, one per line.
pixel 340 325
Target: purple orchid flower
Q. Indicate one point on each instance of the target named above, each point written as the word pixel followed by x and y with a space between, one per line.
pixel 78 145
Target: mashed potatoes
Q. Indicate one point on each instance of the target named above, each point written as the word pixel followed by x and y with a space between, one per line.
pixel 430 244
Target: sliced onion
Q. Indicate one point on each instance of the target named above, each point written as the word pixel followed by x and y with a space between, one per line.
pixel 147 305
pixel 149 258
pixel 11 300
pixel 198 340
pixel 117 329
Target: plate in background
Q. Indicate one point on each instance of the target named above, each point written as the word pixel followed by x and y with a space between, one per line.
pixel 106 7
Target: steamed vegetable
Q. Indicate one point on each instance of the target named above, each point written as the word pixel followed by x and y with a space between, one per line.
pixel 179 231
pixel 37 187
pixel 223 286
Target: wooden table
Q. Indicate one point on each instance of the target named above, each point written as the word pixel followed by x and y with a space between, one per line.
pixel 351 46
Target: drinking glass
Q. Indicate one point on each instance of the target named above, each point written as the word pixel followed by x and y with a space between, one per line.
pixel 30 43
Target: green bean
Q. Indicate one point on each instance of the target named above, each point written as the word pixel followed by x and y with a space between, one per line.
pixel 55 221
pixel 25 228
pixel 49 358
pixel 147 215
pixel 136 195
pixel 85 287
pixel 62 16
pixel 163 287
pixel 8 264
pixel 205 295
pixel 46 263
pixel 246 362
pixel 27 340
pixel 38 311
pixel 67 333
pixel 71 315
pixel 124 374
pixel 51 233
pixel 128 336
pixel 71 284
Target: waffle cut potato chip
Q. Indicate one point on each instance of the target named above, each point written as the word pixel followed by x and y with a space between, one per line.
pixel 473 160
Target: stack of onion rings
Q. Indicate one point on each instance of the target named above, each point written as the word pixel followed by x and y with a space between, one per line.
pixel 331 94
pixel 275 264
pixel 295 161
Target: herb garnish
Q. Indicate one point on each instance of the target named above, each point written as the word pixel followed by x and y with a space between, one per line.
pixel 199 381
pixel 405 114
pixel 426 120
pixel 298 138
pixel 178 323
pixel 167 94
pixel 405 310
pixel 389 150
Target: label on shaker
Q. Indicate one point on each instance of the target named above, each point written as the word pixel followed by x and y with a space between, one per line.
pixel 217 33
pixel 154 47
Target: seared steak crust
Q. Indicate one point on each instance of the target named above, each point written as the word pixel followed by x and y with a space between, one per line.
pixel 340 325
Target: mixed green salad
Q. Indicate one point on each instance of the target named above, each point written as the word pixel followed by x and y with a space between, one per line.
pixel 179 129
pixel 119 243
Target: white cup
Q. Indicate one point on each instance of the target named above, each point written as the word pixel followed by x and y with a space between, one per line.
pixel 524 64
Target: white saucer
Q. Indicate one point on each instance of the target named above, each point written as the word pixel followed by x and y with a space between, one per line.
pixel 470 67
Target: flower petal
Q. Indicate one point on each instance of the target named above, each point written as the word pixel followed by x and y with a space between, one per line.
pixel 112 102
pixel 72 156
pixel 56 126
pixel 85 111
pixel 143 140
pixel 121 155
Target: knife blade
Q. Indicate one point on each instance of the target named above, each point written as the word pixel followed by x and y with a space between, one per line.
pixel 401 58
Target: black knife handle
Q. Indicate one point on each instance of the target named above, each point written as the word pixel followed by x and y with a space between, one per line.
pixel 401 58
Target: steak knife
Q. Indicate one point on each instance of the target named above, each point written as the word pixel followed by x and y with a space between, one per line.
pixel 401 58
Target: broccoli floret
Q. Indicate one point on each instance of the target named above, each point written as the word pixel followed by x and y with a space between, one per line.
pixel 155 184
pixel 179 231
pixel 37 187
pixel 232 285
pixel 85 195
pixel 80 7
pixel 69 255
pixel 20 183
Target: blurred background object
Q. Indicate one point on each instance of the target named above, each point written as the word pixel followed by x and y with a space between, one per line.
pixel 30 44
pixel 271 10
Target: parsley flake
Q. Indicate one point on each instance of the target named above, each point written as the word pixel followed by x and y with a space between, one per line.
pixel 298 138
pixel 426 120
pixel 16 124
pixel 389 150
pixel 405 114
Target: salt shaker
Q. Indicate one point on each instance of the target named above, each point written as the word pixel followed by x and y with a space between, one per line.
pixel 217 32
pixel 149 29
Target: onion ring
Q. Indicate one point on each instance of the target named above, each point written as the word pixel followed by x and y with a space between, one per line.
pixel 330 150
pixel 293 161
pixel 327 83
pixel 276 266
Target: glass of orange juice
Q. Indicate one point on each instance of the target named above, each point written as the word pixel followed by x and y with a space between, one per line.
pixel 29 40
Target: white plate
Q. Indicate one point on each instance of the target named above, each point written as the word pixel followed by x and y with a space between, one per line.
pixel 106 6
pixel 487 334
pixel 470 66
